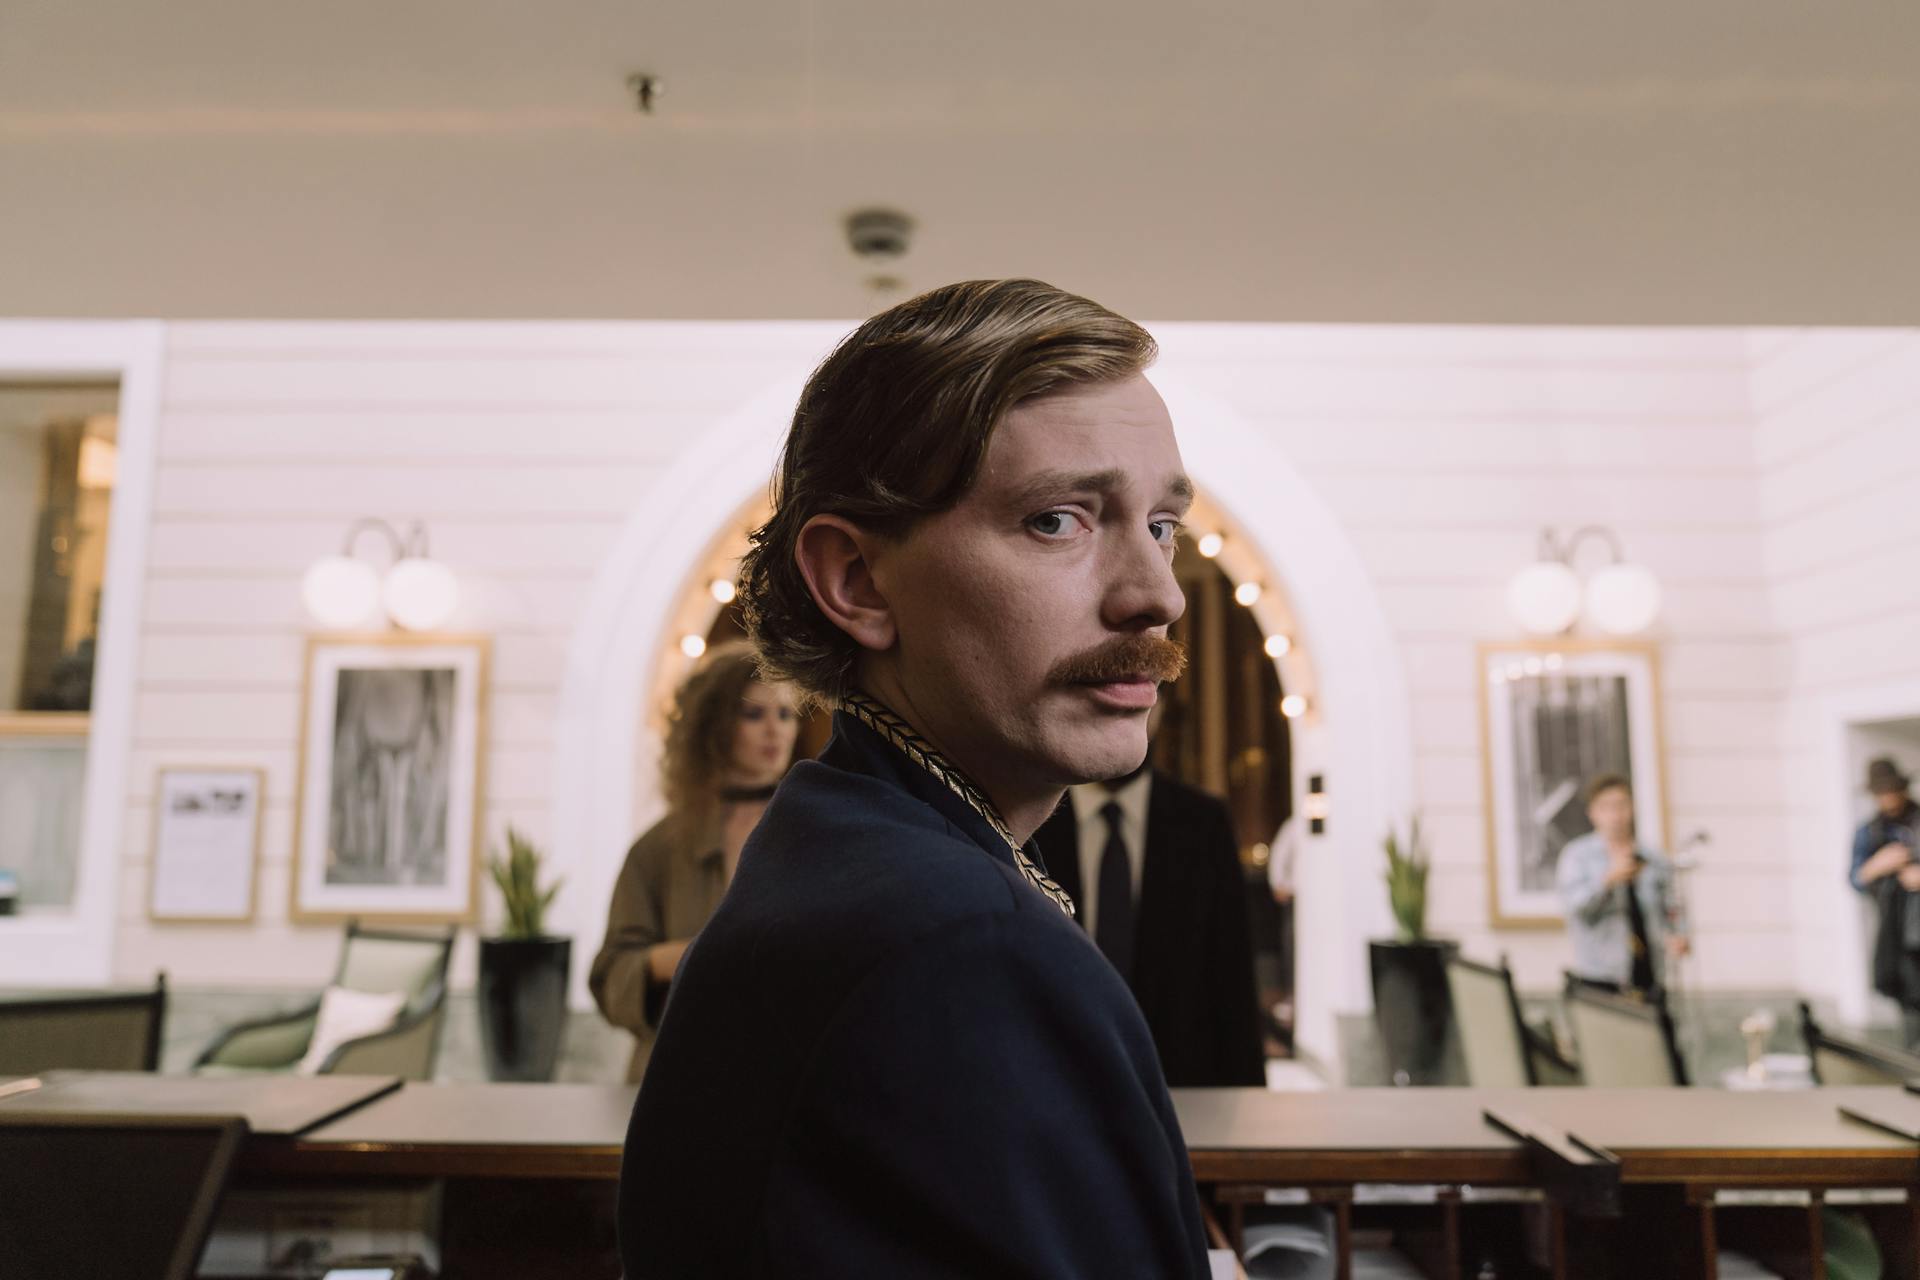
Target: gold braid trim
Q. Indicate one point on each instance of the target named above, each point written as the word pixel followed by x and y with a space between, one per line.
pixel 878 718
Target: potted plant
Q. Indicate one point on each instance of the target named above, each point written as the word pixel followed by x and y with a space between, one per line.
pixel 1410 1000
pixel 523 972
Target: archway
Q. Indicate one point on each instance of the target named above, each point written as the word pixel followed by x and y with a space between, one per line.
pixel 1354 731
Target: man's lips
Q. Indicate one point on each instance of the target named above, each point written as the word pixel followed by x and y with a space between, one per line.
pixel 1133 692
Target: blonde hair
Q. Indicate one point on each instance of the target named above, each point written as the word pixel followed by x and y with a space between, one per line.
pixel 700 732
pixel 894 426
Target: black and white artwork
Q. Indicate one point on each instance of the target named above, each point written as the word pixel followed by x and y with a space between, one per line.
pixel 1555 718
pixel 392 740
pixel 390 779
pixel 205 843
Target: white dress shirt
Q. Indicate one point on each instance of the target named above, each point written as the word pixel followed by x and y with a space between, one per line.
pixel 1088 800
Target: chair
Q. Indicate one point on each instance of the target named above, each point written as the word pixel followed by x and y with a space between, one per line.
pixel 1501 1050
pixel 373 960
pixel 1624 1041
pixel 111 1197
pixel 85 1031
pixel 1841 1060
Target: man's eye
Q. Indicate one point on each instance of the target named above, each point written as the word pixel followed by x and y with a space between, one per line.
pixel 1165 531
pixel 1051 524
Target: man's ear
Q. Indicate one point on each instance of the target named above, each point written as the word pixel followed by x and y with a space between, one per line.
pixel 832 554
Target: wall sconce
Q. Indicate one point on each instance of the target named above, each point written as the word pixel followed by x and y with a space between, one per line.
pixel 1316 807
pixel 417 592
pixel 1547 596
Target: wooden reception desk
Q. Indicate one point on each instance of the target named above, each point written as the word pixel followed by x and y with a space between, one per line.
pixel 528 1170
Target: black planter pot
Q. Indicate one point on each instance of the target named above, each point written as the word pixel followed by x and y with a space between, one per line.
pixel 523 1005
pixel 1413 1009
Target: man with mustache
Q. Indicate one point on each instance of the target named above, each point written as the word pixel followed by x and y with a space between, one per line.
pixel 892 1052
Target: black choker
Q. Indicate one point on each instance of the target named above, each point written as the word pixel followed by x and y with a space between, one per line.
pixel 740 795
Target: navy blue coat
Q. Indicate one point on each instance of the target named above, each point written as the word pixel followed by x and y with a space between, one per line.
pixel 888 1055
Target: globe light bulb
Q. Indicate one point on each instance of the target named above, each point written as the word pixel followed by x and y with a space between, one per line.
pixel 1544 597
pixel 419 594
pixel 340 592
pixel 1623 599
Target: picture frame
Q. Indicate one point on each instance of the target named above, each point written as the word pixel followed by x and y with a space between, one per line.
pixel 387 812
pixel 1554 714
pixel 207 822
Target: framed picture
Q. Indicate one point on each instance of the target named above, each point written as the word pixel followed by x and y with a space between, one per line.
pixel 387 822
pixel 1554 715
pixel 206 845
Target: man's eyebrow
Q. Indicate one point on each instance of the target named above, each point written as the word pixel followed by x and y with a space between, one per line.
pixel 1050 486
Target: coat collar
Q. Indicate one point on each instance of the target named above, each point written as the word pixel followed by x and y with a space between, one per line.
pixel 860 747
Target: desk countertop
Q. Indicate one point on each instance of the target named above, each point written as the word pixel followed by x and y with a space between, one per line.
pixel 474 1130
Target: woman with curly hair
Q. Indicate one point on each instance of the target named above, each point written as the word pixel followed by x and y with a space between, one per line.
pixel 730 737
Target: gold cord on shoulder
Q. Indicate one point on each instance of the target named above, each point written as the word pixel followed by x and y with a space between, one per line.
pixel 884 722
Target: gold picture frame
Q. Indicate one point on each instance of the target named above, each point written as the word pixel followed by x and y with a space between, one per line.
pixel 207 823
pixel 1602 700
pixel 389 794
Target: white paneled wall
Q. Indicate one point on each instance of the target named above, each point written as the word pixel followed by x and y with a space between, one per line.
pixel 521 447
pixel 1441 451
pixel 1837 441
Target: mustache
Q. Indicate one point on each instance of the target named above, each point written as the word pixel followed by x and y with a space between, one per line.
pixel 1122 658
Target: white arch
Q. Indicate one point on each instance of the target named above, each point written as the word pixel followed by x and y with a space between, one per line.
pixel 1359 735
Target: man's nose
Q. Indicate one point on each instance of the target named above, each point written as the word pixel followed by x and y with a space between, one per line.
pixel 1142 591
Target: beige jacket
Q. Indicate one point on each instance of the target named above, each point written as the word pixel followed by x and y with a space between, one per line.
pixel 667 889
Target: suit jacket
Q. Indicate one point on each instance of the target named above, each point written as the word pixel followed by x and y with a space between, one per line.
pixel 1193 948
pixel 887 1054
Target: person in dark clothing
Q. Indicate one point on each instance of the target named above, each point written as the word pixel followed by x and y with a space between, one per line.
pixel 892 1052
pixel 1883 867
pixel 1169 909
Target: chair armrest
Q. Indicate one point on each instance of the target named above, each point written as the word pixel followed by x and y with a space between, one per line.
pixel 1550 1065
pixel 277 1041
pixel 406 1049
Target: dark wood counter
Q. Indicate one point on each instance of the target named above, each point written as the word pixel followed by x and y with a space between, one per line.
pixel 466 1131
pixel 1439 1135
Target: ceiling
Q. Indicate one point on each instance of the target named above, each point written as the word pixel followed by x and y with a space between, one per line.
pixel 1641 161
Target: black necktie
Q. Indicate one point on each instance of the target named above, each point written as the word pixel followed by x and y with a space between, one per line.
pixel 1113 920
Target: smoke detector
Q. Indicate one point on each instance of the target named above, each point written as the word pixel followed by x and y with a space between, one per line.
pixel 879 236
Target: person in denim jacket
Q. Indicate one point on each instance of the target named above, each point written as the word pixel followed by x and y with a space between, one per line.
pixel 1619 896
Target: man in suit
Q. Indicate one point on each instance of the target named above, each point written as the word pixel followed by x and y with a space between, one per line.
pixel 1155 869
pixel 891 1052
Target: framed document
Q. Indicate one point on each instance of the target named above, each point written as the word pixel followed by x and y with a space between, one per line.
pixel 206 845
pixel 1554 715
pixel 387 822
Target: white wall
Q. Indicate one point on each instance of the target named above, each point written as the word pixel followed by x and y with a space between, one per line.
pixel 1441 452
pixel 1837 440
